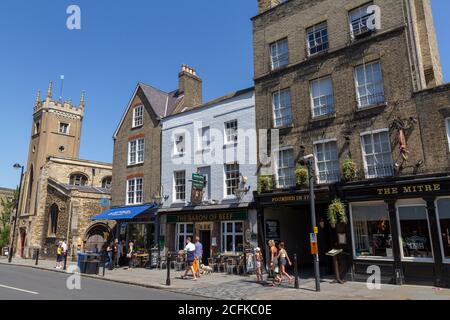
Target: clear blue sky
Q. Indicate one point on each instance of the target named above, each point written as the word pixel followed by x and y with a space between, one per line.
pixel 121 43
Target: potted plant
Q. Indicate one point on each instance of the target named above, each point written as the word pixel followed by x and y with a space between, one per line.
pixel 264 184
pixel 349 170
pixel 301 176
pixel 336 213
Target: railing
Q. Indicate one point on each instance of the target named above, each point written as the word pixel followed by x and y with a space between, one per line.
pixel 379 171
pixel 328 177
pixel 371 100
pixel 359 27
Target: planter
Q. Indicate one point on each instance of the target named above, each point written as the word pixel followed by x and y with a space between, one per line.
pixel 264 184
pixel 337 213
pixel 301 176
pixel 349 170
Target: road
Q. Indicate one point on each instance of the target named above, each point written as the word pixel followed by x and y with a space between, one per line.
pixel 22 283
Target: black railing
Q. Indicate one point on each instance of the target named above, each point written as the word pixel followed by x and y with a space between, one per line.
pixel 359 27
pixel 371 100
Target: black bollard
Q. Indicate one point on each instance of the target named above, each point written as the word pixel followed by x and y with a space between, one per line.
pixel 168 270
pixel 65 260
pixel 37 257
pixel 104 262
pixel 296 272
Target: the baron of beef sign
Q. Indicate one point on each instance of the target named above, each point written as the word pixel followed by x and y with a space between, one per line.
pixel 201 217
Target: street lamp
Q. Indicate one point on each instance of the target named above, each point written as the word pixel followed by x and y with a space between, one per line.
pixel 309 162
pixel 158 201
pixel 11 246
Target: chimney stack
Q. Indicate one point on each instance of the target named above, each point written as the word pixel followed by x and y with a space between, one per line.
pixel 190 85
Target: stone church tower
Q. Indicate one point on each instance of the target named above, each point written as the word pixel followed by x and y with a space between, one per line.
pixel 56 132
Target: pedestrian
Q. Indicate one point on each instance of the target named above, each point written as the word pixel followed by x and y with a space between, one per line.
pixel 198 256
pixel 274 263
pixel 64 252
pixel 130 254
pixel 259 261
pixel 110 251
pixel 58 255
pixel 283 258
pixel 119 252
pixel 190 257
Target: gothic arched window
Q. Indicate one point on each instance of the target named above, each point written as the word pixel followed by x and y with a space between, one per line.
pixel 106 183
pixel 53 220
pixel 78 179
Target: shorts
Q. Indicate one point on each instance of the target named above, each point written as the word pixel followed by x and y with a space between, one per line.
pixel 189 263
pixel 58 258
pixel 283 261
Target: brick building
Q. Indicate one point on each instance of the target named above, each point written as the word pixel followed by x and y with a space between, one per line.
pixel 60 193
pixel 367 100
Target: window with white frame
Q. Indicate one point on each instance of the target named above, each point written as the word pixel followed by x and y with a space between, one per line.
pixel 286 168
pixel 377 153
pixel 279 51
pixel 369 84
pixel 180 185
pixel 184 231
pixel 205 138
pixel 358 21
pixel 322 97
pixel 414 232
pixel 447 127
pixel 136 151
pixel 135 189
pixel 371 230
pixel 282 108
pixel 327 162
pixel 443 209
pixel 232 178
pixel 231 131
pixel 317 37
pixel 63 128
pixel 180 144
pixel 233 236
pixel 138 116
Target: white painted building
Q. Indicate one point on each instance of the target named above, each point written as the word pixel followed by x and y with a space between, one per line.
pixel 218 141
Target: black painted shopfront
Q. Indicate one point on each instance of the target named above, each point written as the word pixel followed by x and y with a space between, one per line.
pixel 402 226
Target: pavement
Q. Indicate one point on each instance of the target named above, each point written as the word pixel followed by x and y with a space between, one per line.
pixel 232 287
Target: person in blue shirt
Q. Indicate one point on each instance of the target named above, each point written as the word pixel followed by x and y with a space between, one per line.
pixel 198 254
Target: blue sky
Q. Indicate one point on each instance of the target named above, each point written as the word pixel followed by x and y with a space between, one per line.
pixel 121 43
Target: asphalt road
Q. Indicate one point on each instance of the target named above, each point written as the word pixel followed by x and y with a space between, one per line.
pixel 22 283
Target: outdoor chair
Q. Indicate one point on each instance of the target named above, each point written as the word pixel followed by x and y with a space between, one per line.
pixel 221 264
pixel 231 265
pixel 240 266
pixel 213 264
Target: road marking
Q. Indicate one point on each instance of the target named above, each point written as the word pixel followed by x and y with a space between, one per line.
pixel 17 289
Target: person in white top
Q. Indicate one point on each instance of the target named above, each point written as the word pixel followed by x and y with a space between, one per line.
pixel 190 256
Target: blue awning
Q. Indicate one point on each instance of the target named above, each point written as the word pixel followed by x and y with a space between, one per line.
pixel 122 213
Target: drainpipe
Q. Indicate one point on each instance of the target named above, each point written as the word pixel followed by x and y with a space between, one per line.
pixel 412 30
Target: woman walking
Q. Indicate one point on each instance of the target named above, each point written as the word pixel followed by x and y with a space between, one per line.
pixel 130 254
pixel 274 263
pixel 283 258
pixel 59 256
pixel 259 261
pixel 110 251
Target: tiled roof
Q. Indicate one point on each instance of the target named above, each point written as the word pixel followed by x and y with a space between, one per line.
pixel 163 103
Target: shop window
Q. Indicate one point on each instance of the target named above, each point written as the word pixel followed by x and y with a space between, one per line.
pixel 443 206
pixel 184 231
pixel 142 235
pixel 233 236
pixel 414 232
pixel 371 231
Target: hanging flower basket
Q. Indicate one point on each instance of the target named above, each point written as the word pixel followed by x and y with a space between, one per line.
pixel 349 170
pixel 301 176
pixel 264 184
pixel 336 213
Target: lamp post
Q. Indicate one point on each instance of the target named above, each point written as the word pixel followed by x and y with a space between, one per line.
pixel 11 247
pixel 308 161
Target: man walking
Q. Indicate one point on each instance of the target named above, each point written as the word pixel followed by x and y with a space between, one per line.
pixel 64 253
pixel 190 257
pixel 198 255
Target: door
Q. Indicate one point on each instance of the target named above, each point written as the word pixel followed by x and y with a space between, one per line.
pixel 23 238
pixel 205 239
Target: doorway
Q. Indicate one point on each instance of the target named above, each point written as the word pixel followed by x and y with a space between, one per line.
pixel 205 239
pixel 23 238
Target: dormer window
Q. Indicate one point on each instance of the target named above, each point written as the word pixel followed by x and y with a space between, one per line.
pixel 63 128
pixel 358 21
pixel 138 116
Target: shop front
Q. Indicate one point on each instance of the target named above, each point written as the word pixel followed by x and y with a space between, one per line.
pixel 221 231
pixel 286 216
pixel 401 226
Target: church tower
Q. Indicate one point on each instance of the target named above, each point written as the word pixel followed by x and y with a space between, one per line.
pixel 56 132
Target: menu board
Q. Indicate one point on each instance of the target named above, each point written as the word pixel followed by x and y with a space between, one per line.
pixel 273 230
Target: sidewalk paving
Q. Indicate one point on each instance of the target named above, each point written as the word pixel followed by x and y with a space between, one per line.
pixel 232 287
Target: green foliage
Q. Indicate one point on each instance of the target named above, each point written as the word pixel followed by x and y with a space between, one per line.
pixel 4 237
pixel 336 212
pixel 264 184
pixel 349 170
pixel 8 207
pixel 301 176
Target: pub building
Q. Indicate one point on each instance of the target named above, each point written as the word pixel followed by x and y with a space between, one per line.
pixel 401 225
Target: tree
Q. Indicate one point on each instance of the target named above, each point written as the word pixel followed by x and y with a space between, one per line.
pixel 8 205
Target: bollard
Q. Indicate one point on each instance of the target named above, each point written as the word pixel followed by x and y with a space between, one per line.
pixel 65 260
pixel 296 272
pixel 168 270
pixel 104 262
pixel 37 257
